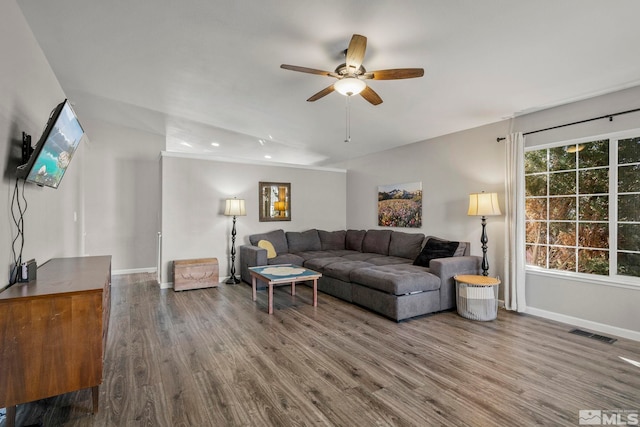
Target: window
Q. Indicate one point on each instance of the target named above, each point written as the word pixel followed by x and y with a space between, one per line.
pixel 582 207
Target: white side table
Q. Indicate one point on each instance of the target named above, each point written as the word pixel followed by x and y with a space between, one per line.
pixel 477 296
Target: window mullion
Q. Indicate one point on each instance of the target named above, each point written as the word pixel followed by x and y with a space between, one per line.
pixel 613 207
pixel 548 242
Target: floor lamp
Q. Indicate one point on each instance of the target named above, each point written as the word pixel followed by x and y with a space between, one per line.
pixel 484 205
pixel 234 207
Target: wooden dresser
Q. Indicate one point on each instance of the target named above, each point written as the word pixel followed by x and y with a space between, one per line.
pixel 53 331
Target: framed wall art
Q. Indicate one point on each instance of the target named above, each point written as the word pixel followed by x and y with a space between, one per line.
pixel 400 205
pixel 275 201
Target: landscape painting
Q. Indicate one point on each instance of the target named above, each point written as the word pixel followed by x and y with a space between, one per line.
pixel 400 205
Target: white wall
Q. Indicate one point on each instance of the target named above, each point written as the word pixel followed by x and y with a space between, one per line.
pixel 605 308
pixel 193 195
pixel 28 92
pixel 450 168
pixel 122 195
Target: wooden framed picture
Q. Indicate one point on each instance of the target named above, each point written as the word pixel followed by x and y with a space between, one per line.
pixel 274 201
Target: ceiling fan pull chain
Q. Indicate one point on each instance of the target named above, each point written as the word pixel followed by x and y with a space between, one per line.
pixel 348 139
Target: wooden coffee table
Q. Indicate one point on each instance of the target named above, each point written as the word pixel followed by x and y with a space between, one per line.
pixel 283 274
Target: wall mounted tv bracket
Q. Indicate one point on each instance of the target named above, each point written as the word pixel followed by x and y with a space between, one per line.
pixel 27 149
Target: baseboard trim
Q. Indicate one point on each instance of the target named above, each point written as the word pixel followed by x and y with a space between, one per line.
pixel 583 323
pixel 135 270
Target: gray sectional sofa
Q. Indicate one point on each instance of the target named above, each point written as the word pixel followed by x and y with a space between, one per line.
pixel 396 274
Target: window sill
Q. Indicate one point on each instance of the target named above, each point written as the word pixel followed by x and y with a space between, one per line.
pixel 618 282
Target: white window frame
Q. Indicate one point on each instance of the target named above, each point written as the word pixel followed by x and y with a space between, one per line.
pixel 613 279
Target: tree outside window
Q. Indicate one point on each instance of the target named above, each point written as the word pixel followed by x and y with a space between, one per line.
pixel 570 195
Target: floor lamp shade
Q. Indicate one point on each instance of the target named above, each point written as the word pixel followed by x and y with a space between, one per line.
pixel 234 207
pixel 484 205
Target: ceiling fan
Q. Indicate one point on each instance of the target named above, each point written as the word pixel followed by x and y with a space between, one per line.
pixel 352 75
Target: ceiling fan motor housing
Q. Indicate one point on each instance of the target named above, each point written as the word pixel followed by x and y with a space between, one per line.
pixel 343 70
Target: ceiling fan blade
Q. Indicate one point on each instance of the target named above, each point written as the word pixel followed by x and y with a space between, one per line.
pixel 371 96
pixel 395 74
pixel 324 92
pixel 309 70
pixel 355 52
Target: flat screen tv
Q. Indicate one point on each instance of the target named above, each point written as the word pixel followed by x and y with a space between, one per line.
pixel 55 148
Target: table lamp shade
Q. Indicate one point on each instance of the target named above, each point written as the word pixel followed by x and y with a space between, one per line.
pixel 235 207
pixel 483 204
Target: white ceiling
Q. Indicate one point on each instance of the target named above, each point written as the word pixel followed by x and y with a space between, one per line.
pixel 209 71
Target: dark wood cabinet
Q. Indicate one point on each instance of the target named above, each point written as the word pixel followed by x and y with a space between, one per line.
pixel 53 331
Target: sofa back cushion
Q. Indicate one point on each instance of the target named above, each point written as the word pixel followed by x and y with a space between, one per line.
pixel 376 242
pixel 276 237
pixel 405 245
pixel 332 240
pixel 353 240
pixel 463 249
pixel 303 241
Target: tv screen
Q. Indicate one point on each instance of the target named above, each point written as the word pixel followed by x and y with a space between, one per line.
pixel 55 148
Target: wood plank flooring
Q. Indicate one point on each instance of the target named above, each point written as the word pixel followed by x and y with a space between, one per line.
pixel 213 357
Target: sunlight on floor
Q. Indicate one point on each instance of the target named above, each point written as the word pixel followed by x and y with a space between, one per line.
pixel 633 362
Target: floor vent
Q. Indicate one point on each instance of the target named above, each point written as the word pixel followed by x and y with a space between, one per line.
pixel 602 338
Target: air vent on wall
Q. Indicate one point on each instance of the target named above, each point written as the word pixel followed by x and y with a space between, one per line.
pixel 591 335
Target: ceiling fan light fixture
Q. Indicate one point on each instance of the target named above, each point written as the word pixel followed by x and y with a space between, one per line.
pixel 349 86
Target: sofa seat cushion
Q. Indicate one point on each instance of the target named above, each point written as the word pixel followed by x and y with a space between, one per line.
pixel 362 256
pixel 286 259
pixel 307 255
pixel 342 270
pixel 399 279
pixel 318 264
pixel 341 252
pixel 389 260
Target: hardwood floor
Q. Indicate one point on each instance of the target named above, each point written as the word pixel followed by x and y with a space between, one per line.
pixel 213 357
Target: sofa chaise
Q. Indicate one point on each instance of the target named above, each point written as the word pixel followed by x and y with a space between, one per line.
pixel 398 275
